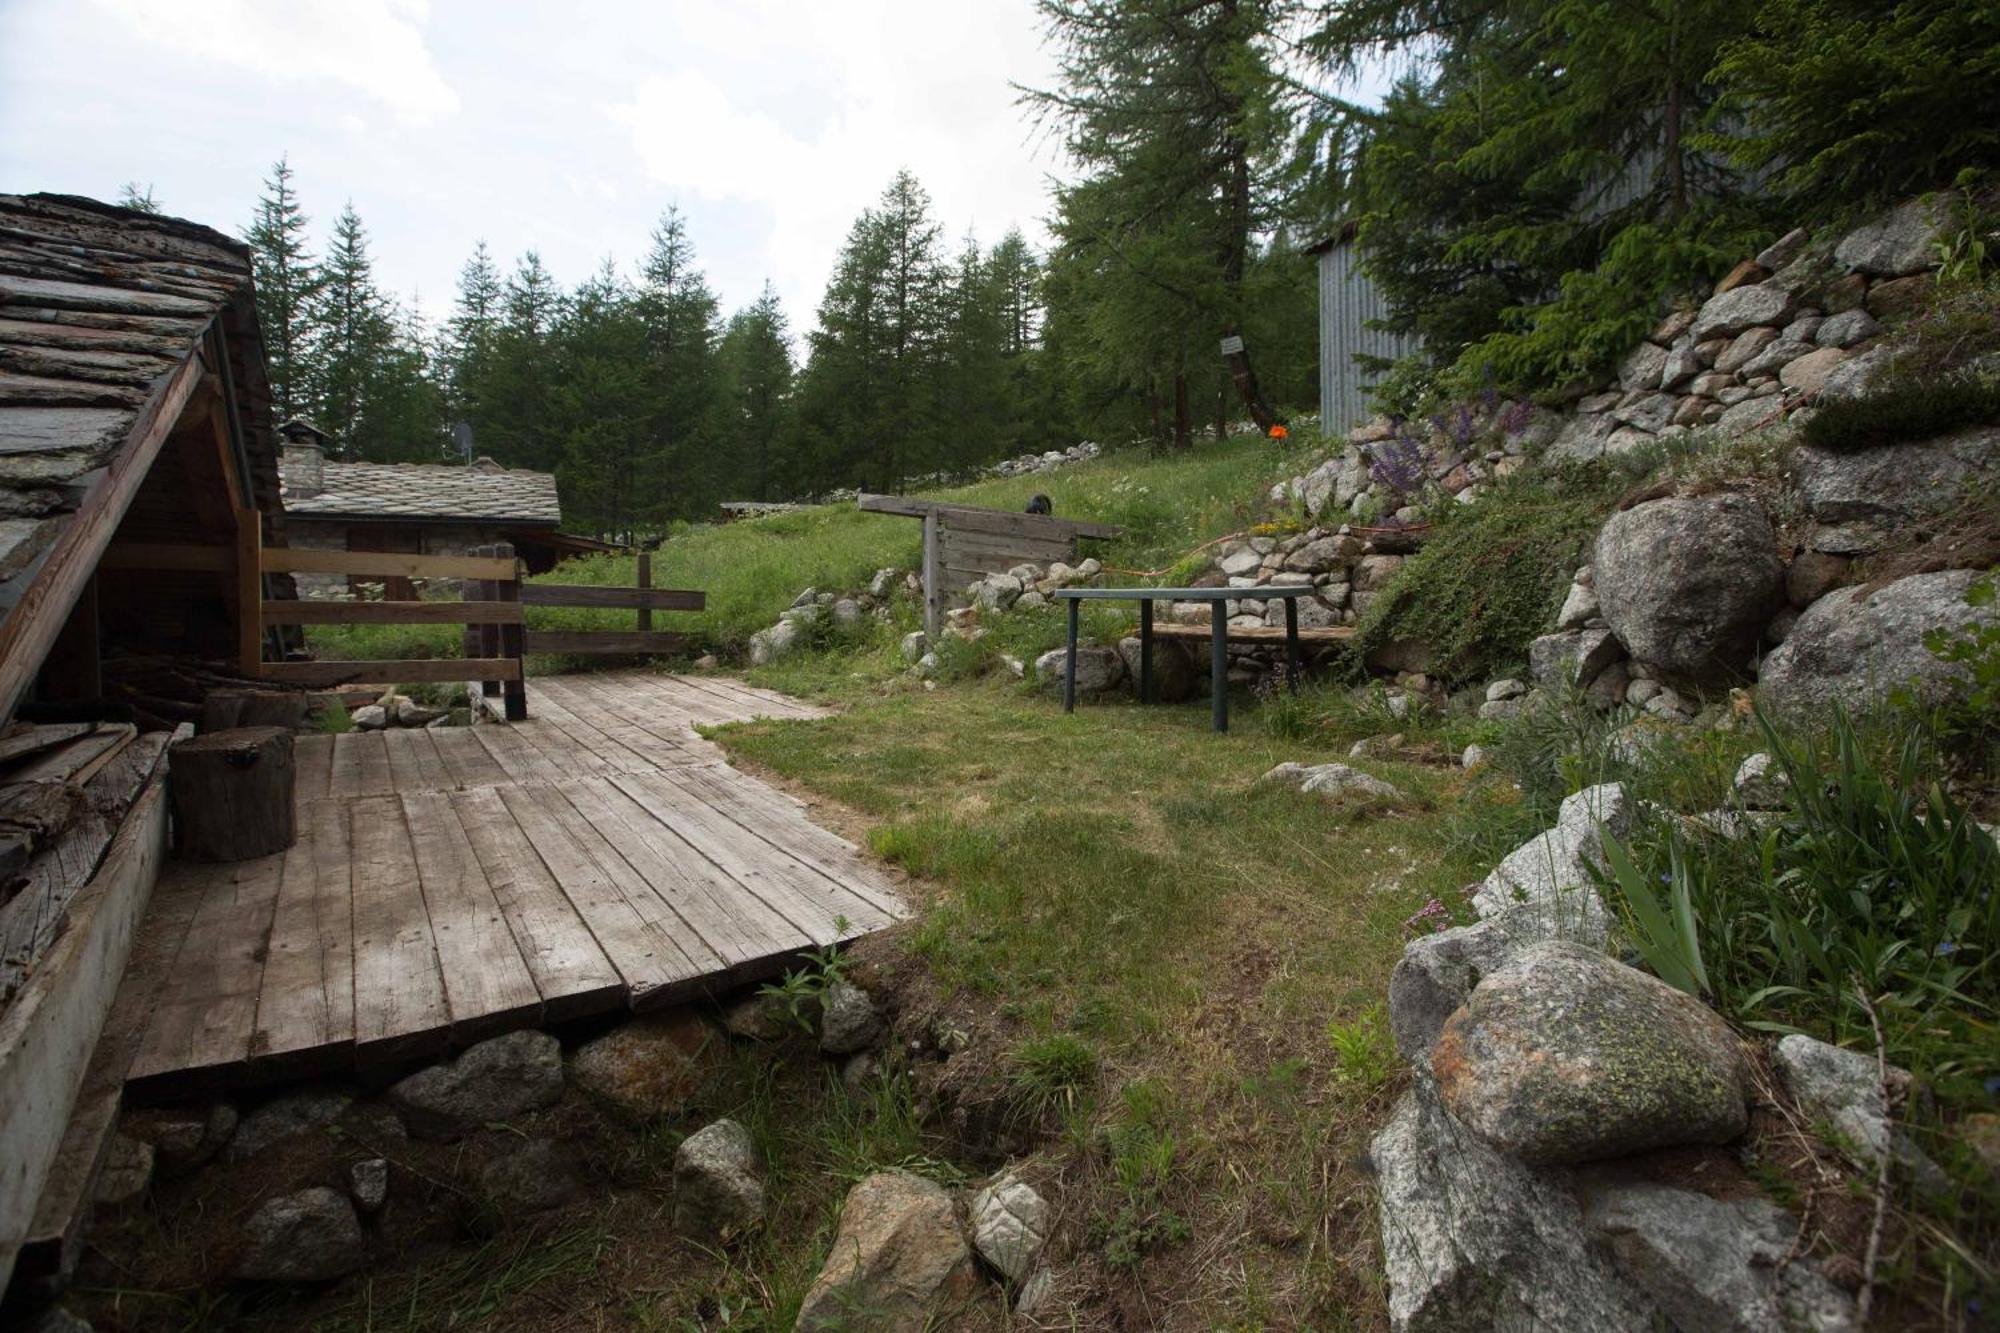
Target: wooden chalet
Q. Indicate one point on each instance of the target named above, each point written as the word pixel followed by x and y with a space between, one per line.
pixel 134 420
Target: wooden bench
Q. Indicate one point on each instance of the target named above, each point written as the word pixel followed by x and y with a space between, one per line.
pixel 1254 633
pixel 1218 632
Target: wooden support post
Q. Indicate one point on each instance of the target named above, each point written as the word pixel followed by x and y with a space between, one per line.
pixel 1069 662
pixel 1145 650
pixel 1218 665
pixel 513 642
pixel 249 591
pixel 489 635
pixel 645 571
pixel 1292 643
pixel 933 579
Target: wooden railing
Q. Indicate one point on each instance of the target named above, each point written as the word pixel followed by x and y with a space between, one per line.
pixel 644 599
pixel 491 578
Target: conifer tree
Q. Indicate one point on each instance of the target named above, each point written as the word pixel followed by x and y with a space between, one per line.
pixel 602 406
pixel 469 335
pixel 682 327
pixel 756 363
pixel 287 281
pixel 138 198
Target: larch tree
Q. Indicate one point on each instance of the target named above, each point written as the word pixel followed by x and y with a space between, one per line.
pixel 288 281
pixel 682 327
pixel 756 363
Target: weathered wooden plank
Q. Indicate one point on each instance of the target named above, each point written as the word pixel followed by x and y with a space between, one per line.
pixel 576 707
pixel 554 747
pixel 735 924
pixel 143 557
pixel 631 599
pixel 487 985
pixel 414 761
pixel 305 1000
pixel 388 564
pixel 808 899
pixel 360 765
pixel 663 923
pixel 400 1010
pixel 38 616
pixel 570 971
pixel 405 672
pixel 557 711
pixel 468 761
pixel 751 701
pixel 1167 629
pixel 35 739
pixel 48 1034
pixel 667 714
pixel 391 613
pixel 55 1239
pixel 647 960
pixel 1043 527
pixel 205 1022
pixel 663 643
pixel 782 823
pixel 907 507
pixel 518 758
pixel 312 761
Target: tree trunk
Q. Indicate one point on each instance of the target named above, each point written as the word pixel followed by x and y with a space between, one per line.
pixel 1183 426
pixel 232 793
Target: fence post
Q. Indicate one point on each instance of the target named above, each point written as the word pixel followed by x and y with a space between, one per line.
pixel 645 565
pixel 489 635
pixel 513 641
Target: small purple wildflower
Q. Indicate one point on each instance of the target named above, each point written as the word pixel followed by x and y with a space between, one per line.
pixel 1946 948
pixel 1431 918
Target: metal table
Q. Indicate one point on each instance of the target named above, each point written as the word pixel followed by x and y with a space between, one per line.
pixel 1218 634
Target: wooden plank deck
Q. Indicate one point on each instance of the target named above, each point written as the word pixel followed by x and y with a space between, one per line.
pixel 451 884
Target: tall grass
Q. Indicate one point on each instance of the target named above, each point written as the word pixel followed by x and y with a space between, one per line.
pixel 753 569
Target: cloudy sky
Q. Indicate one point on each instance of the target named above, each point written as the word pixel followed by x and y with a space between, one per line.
pixel 561 127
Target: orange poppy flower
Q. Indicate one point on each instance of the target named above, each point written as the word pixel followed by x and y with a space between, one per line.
pixel 1280 433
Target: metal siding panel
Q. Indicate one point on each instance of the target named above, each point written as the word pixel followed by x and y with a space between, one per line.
pixel 1348 301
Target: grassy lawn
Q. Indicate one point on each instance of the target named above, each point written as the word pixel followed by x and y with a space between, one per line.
pixel 752 570
pixel 1165 980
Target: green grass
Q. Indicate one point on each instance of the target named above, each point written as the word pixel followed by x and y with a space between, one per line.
pixel 1151 952
pixel 753 569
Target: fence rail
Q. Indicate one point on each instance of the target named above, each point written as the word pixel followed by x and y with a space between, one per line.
pixel 644 599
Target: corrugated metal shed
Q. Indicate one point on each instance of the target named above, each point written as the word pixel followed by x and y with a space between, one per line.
pixel 1348 303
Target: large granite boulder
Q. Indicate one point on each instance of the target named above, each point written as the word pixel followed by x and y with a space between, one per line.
pixel 1563 1055
pixel 1897 244
pixel 1475 1241
pixel 1897 484
pixel 898 1264
pixel 718 1182
pixel 1688 584
pixel 1098 670
pixel 1176 675
pixel 647 1066
pixel 495 1080
pixel 1855 646
pixel 311 1236
pixel 1547 887
pixel 1742 308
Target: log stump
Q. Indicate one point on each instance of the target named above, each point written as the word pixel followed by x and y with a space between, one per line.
pixel 232 793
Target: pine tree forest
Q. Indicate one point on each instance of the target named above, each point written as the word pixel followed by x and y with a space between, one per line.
pixel 1536 178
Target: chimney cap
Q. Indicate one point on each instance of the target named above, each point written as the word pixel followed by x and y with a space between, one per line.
pixel 298 430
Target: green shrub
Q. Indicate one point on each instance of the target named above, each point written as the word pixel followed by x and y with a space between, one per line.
pixel 1903 410
pixel 1491 576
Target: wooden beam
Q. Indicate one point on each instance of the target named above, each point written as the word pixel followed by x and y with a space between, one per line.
pixel 49 1032
pixel 31 627
pixel 657 642
pixel 386 564
pixel 934 592
pixel 626 599
pixel 643 569
pixel 142 557
pixel 392 613
pixel 1168 629
pixel 905 507
pixel 249 590
pixel 410 671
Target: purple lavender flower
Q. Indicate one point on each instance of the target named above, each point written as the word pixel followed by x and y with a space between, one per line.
pixel 1431 918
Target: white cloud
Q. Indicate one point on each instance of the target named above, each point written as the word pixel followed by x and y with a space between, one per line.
pixel 375 47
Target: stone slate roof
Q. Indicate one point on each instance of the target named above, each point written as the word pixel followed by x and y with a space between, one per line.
pixel 99 307
pixel 431 491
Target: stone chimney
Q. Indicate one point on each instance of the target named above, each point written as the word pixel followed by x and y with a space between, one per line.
pixel 302 462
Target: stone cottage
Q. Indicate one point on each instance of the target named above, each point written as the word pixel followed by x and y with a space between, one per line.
pixel 416 509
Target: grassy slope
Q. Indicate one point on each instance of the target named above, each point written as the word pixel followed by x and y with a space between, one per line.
pixel 753 570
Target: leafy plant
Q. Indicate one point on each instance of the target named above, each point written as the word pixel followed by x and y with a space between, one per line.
pixel 1053 1071
pixel 1662 926
pixel 1363 1049
pixel 1904 409
pixel 1971 714
pixel 799 991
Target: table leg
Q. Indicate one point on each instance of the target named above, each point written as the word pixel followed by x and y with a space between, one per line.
pixel 1292 643
pixel 1145 650
pixel 1218 665
pixel 1069 663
